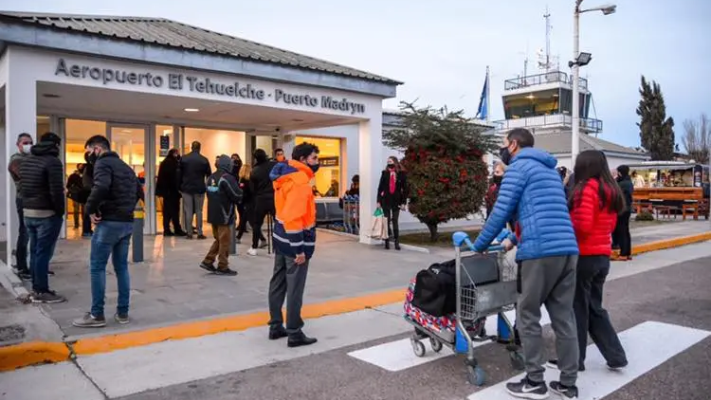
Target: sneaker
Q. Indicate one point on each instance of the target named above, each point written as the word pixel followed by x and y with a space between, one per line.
pixel 202 237
pixel 617 367
pixel 207 267
pixel 89 321
pixel 554 365
pixel 189 237
pixel 277 333
pixel 225 272
pixel 526 389
pixel 121 318
pixel 48 297
pixel 566 392
pixel 252 252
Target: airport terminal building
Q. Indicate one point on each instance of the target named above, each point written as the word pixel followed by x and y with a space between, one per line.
pixel 151 84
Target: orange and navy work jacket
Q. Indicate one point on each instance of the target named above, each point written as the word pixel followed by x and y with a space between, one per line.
pixel 295 228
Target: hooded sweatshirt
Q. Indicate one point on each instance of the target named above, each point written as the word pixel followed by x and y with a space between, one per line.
pixel 223 193
pixel 295 228
pixel 531 190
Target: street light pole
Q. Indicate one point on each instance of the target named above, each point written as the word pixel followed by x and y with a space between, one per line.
pixel 575 147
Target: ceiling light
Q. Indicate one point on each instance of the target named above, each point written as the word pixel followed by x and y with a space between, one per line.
pixel 192 109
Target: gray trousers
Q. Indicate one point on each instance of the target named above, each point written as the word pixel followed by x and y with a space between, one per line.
pixel 549 281
pixel 192 204
pixel 288 281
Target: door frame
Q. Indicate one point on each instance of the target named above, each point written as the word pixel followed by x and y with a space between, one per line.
pixel 149 159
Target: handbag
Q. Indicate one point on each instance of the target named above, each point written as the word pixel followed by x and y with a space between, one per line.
pixel 380 228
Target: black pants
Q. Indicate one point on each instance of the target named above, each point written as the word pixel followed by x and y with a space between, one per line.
pixel 86 222
pixel 22 239
pixel 621 235
pixel 262 208
pixel 243 216
pixel 392 215
pixel 591 317
pixel 171 214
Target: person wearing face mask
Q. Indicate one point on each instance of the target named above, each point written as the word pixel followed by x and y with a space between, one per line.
pixel 111 204
pixel 279 155
pixel 168 189
pixel 74 189
pixel 548 253
pixel 494 187
pixel 294 242
pixel 43 207
pixel 24 147
pixel 392 196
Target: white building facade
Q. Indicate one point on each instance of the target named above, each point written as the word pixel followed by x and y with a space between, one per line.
pixel 150 85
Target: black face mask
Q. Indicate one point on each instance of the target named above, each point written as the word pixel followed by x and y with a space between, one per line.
pixel 91 157
pixel 497 179
pixel 505 155
pixel 391 166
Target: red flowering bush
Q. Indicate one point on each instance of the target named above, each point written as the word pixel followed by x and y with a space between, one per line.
pixel 446 174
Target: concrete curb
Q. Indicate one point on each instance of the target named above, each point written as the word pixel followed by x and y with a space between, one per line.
pixel 12 282
pixel 26 354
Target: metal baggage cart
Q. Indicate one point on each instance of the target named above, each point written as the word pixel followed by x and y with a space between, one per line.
pixel 481 292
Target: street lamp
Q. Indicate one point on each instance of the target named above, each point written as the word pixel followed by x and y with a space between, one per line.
pixel 580 59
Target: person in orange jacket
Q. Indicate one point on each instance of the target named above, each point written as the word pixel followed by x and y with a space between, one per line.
pixel 294 242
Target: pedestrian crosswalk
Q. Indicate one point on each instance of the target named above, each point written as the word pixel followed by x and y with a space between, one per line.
pixel 648 345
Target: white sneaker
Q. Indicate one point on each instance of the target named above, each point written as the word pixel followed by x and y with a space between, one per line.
pixel 252 252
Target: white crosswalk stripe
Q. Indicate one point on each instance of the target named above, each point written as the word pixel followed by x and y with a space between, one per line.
pixel 647 345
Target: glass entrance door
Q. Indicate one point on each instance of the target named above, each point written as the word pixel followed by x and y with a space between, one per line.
pixel 131 143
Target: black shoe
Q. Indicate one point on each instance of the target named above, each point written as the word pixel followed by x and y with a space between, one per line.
pixel 225 272
pixel 277 333
pixel 189 237
pixel 617 366
pixel 207 267
pixel 48 297
pixel 387 245
pixel 554 364
pixel 566 392
pixel 526 389
pixel 299 339
pixel 24 274
pixel 397 245
pixel 168 233
pixel 181 233
pixel 50 273
pixel 202 237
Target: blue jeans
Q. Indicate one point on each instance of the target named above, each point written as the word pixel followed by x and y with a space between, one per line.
pixel 110 238
pixel 43 233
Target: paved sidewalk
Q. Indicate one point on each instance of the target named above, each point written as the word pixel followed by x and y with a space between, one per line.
pixel 169 287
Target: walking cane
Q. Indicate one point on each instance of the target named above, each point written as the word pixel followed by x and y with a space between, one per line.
pixel 269 233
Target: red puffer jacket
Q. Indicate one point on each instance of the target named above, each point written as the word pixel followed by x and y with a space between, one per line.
pixel 593 226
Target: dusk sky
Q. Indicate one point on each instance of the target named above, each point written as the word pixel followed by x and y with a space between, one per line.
pixel 440 49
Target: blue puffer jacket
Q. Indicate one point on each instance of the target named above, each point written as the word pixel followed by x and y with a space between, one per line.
pixel 532 190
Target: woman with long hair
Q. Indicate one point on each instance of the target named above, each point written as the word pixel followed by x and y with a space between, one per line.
pixel 595 202
pixel 245 209
pixel 392 196
pixel 494 186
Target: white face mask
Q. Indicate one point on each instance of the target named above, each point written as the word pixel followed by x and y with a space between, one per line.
pixel 26 148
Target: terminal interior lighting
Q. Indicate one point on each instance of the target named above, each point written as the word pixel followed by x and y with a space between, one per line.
pixel 192 109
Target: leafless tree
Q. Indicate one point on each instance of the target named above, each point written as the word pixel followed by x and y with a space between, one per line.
pixel 697 138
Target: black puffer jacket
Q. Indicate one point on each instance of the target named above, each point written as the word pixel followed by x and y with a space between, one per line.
pixel 43 179
pixel 194 170
pixel 116 189
pixel 262 187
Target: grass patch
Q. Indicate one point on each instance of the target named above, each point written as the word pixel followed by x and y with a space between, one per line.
pixel 443 240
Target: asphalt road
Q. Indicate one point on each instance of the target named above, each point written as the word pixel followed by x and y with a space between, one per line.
pixel 678 294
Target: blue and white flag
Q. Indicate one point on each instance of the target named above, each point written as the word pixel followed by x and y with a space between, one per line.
pixel 483 111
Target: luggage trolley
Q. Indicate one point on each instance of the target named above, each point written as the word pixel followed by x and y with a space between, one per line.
pixel 486 286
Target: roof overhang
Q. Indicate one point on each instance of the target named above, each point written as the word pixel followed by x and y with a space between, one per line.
pixel 107 47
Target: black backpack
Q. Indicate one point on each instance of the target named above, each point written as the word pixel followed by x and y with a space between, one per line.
pixel 435 289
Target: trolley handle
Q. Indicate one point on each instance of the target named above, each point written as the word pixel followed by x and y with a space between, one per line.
pixel 462 238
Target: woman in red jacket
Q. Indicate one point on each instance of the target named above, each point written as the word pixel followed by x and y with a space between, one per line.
pixel 595 202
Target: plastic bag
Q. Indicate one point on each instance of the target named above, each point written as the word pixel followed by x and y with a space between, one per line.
pixel 380 227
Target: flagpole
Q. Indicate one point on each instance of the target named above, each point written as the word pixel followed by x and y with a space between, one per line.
pixel 488 95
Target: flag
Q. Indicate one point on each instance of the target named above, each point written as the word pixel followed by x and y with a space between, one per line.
pixel 483 111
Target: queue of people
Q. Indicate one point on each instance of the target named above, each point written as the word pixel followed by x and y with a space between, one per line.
pixel 564 250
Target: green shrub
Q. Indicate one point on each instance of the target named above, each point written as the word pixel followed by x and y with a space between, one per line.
pixel 644 216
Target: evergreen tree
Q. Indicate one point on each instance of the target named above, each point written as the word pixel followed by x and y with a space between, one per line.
pixel 446 173
pixel 656 130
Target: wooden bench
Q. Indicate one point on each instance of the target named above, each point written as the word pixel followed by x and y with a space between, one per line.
pixel 690 207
